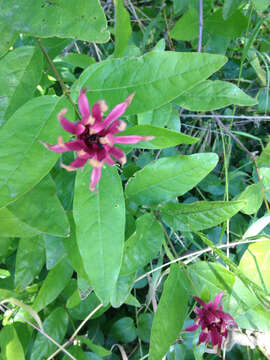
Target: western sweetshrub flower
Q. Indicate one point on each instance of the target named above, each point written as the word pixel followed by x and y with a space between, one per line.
pixel 95 137
pixel 213 322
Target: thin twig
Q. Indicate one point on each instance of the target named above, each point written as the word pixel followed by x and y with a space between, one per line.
pixel 60 347
pixel 61 82
pixel 76 331
pixel 200 25
pixel 194 255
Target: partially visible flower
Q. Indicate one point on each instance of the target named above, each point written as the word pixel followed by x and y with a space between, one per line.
pixel 95 137
pixel 213 322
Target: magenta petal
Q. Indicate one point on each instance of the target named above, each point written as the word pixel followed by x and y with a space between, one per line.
pixel 192 327
pixel 73 128
pixel 96 113
pixel 118 110
pixel 200 301
pixel 74 145
pixel 83 104
pixel 215 336
pixel 218 299
pixel 203 337
pixel 95 177
pixel 117 154
pixel 55 148
pixel 77 163
pixel 132 139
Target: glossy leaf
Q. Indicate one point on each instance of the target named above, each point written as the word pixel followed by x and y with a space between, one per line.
pixel 99 350
pixel 54 249
pixel 100 227
pixel 79 60
pixel 187 26
pixel 123 330
pixel 144 326
pixel 30 259
pixel 212 95
pixel 160 78
pixel 57 18
pixel 199 215
pixel 56 326
pixel 170 315
pixel 11 347
pixel 167 178
pixel 143 245
pixel 163 138
pixel 53 285
pixel 41 210
pixel 232 27
pixel 20 72
pixel 253 194
pixel 229 7
pixel 29 161
pixel 122 28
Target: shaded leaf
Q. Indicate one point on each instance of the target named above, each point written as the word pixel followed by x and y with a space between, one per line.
pixel 123 330
pixel 122 28
pixel 8 37
pixel 253 194
pixel 122 289
pixel 187 26
pixel 11 348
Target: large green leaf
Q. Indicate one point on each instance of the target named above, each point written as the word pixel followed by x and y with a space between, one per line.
pixel 199 215
pixel 100 226
pixel 212 95
pixel 170 315
pixel 253 194
pixel 261 5
pixel 122 289
pixel 56 326
pixel 11 347
pixel 233 26
pixel 24 161
pixel 163 138
pixel 30 259
pixel 41 210
pixel 166 115
pixel 85 21
pixel 157 78
pixel 53 285
pixel 229 7
pixel 167 178
pixel 122 28
pixel 20 73
pixel 143 245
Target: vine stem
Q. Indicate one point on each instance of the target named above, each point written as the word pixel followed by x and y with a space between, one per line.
pixel 76 331
pixel 200 25
pixel 65 90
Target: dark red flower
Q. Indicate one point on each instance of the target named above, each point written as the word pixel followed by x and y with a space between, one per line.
pixel 212 320
pixel 95 137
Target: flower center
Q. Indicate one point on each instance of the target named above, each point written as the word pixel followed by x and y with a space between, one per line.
pixel 90 140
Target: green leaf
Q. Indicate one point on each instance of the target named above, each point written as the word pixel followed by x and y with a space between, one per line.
pixel 199 215
pixel 253 194
pixel 144 326
pixel 100 228
pixel 30 259
pixel 122 28
pixel 170 315
pixel 99 350
pixel 164 138
pixel 8 37
pixel 122 289
pixel 261 5
pixel 143 245
pixel 232 27
pixel 20 73
pixel 43 18
pixel 79 60
pixel 160 78
pixel 77 353
pixel 29 160
pixel 166 178
pixel 56 326
pixel 73 253
pixel 53 285
pixel 11 348
pixel 41 210
pixel 187 27
pixel 264 159
pixel 123 330
pixel 55 250
pixel 212 95
pixel 166 115
pixel 229 7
